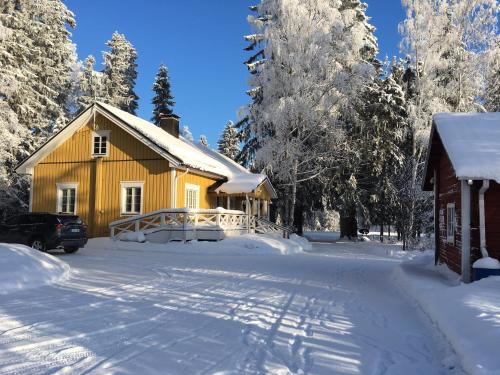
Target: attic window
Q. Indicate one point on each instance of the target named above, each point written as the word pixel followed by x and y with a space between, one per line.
pixel 100 143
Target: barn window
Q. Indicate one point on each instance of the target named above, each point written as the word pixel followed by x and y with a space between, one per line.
pixel 100 143
pixel 450 223
pixel 66 198
pixel 192 196
pixel 132 197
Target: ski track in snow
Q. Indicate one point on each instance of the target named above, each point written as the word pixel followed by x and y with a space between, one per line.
pixel 334 310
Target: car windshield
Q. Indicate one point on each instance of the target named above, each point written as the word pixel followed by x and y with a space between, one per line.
pixel 69 219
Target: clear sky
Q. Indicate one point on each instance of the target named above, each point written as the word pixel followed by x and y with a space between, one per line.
pixel 202 44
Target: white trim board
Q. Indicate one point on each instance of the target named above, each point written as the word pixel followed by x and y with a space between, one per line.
pixel 66 185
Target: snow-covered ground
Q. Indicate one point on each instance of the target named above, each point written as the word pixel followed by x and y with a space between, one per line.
pixel 334 309
pixel 469 315
pixel 22 267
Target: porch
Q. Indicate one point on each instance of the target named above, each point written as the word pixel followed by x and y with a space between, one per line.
pixel 184 224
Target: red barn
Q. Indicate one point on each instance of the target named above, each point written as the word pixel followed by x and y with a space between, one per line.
pixel 463 170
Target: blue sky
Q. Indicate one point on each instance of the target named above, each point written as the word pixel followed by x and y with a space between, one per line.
pixel 202 44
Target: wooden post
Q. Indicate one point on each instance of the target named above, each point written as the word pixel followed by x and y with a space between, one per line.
pixel 184 225
pixel 247 209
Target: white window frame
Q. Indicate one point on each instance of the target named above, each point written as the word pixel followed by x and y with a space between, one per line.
pixel 100 134
pixel 451 225
pixel 60 188
pixel 123 196
pixel 196 189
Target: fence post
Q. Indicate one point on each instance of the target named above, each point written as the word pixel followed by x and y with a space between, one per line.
pixel 137 225
pixel 162 219
pixel 112 232
pixel 184 225
pixel 217 219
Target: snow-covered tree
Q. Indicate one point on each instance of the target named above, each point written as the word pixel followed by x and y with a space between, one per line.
pixel 229 141
pixel 186 133
pixel 314 61
pixel 120 73
pixel 90 84
pixel 163 101
pixel 492 95
pixel 203 140
pixel 447 43
pixel 37 63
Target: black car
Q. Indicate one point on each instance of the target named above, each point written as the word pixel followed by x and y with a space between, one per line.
pixel 45 231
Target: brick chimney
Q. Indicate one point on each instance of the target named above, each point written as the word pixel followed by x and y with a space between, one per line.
pixel 170 123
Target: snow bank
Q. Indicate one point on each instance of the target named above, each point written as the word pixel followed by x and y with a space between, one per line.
pixel 238 245
pixel 487 263
pixel 22 267
pixel 322 236
pixel 132 237
pixel 467 314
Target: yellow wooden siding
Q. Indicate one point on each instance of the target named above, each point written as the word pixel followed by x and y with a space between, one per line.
pixel 206 200
pixel 262 193
pixel 129 160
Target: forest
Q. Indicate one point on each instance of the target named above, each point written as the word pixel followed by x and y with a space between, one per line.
pixel 340 131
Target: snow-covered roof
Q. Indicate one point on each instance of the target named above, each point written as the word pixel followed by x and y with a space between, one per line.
pixel 472 142
pixel 198 156
pixel 180 151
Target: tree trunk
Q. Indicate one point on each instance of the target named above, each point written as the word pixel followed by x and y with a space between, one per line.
pixel 381 231
pixel 293 195
pixel 348 224
pixel 299 219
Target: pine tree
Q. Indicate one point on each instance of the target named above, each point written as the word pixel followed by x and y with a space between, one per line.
pixel 229 142
pixel 37 61
pixel 120 73
pixel 163 101
pixel 203 140
pixel 90 84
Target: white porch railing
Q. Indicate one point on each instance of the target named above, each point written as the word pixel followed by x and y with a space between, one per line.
pixel 262 225
pixel 184 223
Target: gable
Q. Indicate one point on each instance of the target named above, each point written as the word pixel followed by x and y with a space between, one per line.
pixel 122 145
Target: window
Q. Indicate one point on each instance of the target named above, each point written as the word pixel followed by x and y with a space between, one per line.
pixel 66 198
pixel 100 143
pixel 450 223
pixel 192 196
pixel 132 197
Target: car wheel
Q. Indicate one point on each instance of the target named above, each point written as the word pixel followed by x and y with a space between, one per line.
pixel 70 250
pixel 38 244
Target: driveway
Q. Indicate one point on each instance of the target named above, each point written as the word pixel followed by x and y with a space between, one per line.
pixel 334 310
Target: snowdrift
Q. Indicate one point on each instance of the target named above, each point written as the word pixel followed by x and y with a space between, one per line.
pixel 22 267
pixel 248 244
pixel 467 314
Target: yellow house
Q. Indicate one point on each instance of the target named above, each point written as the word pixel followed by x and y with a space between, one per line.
pixel 108 165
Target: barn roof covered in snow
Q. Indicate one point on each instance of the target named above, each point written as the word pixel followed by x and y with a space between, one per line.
pixel 180 152
pixel 472 143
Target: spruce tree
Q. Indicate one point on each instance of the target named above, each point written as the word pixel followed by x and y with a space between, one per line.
pixel 229 142
pixel 163 101
pixel 90 84
pixel 37 60
pixel 120 73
